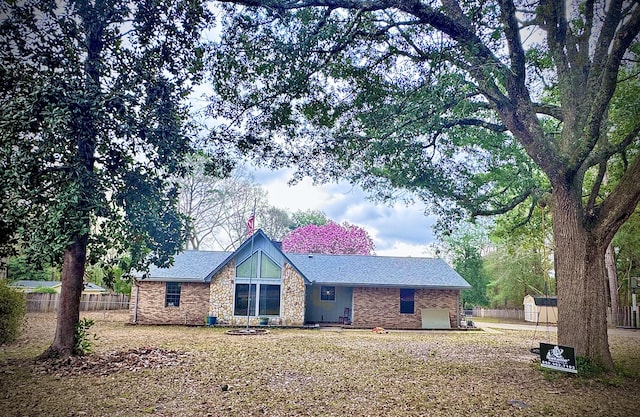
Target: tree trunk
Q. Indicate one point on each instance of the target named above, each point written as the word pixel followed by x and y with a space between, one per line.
pixel 69 306
pixel 612 274
pixel 75 255
pixel 580 280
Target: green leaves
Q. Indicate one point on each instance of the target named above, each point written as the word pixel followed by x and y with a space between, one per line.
pixel 84 340
pixel 372 97
pixel 93 123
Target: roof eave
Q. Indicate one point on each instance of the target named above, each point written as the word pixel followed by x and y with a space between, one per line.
pixel 371 285
pixel 171 279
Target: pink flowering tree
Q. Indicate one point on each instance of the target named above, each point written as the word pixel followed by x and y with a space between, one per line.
pixel 331 238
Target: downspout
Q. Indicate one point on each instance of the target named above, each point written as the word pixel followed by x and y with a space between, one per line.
pixel 459 317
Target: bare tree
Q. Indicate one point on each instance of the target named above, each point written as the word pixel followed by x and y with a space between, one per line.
pixel 202 201
pixel 276 222
pixel 219 208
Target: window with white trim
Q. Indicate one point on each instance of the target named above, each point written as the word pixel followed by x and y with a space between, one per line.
pixel 172 294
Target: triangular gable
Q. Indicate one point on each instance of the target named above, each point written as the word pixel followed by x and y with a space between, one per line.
pixel 259 240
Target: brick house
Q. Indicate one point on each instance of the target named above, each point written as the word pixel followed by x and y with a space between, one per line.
pixel 259 280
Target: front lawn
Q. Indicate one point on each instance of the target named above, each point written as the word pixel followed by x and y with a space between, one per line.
pixel 201 371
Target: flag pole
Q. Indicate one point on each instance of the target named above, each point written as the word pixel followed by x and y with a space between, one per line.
pixel 250 226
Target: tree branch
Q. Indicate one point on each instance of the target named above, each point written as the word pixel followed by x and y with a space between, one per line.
pixel 516 53
pixel 498 128
pixel 549 110
pixel 504 209
pixel 618 206
pixel 613 149
pixel 606 63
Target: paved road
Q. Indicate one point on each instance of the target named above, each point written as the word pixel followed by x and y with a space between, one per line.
pixel 632 333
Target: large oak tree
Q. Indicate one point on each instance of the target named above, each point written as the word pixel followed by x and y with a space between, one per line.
pixel 474 106
pixel 92 123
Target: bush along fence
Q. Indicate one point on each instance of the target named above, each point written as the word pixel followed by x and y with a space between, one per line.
pixel 45 303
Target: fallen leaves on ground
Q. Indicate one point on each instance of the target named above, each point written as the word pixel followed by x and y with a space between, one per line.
pixel 202 371
pixel 132 360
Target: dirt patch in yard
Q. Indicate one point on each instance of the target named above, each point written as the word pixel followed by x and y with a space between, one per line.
pixel 201 371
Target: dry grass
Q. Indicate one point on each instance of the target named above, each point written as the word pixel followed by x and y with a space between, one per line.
pixel 199 371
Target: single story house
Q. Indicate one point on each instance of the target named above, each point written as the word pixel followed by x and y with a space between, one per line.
pixel 541 309
pixel 258 280
pixel 29 286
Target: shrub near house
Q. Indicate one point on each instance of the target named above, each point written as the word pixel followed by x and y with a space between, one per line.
pixel 12 310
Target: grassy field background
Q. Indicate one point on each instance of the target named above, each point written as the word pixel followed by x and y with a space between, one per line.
pixel 201 371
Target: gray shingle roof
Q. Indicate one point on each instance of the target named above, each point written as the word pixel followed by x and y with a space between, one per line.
pixel 378 271
pixel 190 265
pixel 348 270
pixel 33 284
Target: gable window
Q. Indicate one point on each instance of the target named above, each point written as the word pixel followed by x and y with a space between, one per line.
pixel 248 268
pixel 264 276
pixel 407 296
pixel 172 294
pixel 327 293
pixel 268 268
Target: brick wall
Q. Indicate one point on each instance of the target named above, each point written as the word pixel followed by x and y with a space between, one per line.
pixel 193 308
pixel 381 307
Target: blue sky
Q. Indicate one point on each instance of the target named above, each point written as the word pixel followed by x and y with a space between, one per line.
pixel 398 230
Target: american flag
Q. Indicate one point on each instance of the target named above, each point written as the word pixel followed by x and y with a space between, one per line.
pixel 250 224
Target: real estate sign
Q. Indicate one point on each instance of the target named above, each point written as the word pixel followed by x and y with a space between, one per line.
pixel 560 358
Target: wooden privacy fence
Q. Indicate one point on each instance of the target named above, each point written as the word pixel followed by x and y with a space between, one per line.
pixel 625 317
pixel 44 303
pixel 511 314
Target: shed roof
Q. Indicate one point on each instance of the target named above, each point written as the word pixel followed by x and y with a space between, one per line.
pixel 33 284
pixel 91 286
pixel 550 301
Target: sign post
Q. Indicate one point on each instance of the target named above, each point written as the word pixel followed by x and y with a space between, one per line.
pixel 560 358
pixel 634 309
pixel 633 283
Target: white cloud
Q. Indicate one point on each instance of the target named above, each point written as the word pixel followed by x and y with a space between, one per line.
pixel 397 230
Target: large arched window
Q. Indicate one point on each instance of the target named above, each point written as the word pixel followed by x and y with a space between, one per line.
pixel 259 275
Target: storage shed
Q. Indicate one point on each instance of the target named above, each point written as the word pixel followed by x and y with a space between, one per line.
pixel 541 309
